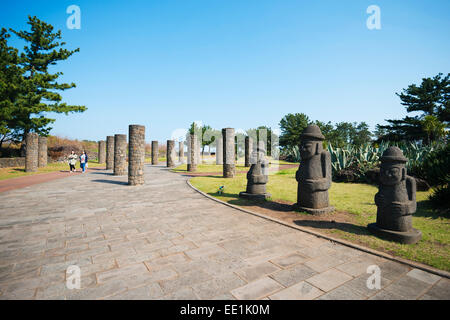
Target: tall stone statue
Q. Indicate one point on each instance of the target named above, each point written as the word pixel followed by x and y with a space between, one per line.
pixel 257 176
pixel 314 173
pixel 395 200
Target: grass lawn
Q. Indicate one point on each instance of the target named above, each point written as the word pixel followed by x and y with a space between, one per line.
pixel 14 172
pixel 356 203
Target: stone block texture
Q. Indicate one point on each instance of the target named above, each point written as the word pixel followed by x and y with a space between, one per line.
pixel 136 154
pixel 31 156
pixel 248 151
pixel 101 151
pixel 192 153
pixel 154 152
pixel 181 151
pixel 219 151
pixel 109 152
pixel 229 167
pixel 170 153
pixel 120 154
pixel 42 153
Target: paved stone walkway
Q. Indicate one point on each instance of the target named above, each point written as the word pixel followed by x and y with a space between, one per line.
pixel 163 240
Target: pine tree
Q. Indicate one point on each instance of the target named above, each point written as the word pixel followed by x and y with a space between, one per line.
pixel 41 87
pixel 431 98
pixel 11 85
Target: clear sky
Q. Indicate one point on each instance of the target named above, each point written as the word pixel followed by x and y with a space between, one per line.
pixel 238 63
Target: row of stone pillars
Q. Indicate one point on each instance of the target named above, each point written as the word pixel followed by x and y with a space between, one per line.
pixel 225 152
pixel 114 152
pixel 36 152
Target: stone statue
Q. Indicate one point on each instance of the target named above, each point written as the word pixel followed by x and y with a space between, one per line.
pixel 314 173
pixel 257 176
pixel 395 200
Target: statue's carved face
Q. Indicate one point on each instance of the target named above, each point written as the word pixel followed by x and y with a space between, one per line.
pixel 391 174
pixel 307 149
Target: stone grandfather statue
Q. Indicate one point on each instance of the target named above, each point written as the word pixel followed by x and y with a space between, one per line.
pixel 314 173
pixel 257 176
pixel 395 200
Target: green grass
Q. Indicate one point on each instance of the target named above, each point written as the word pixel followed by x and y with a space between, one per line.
pixel 14 172
pixel 357 201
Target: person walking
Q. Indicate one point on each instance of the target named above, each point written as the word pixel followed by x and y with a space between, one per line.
pixel 83 161
pixel 72 161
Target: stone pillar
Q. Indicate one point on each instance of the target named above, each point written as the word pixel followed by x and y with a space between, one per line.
pixel 109 152
pixel 136 154
pixel 170 153
pixel 101 151
pixel 219 150
pixel 248 150
pixel 43 154
pixel 181 151
pixel 229 167
pixel 120 154
pixel 32 153
pixel 192 153
pixel 395 200
pixel 154 152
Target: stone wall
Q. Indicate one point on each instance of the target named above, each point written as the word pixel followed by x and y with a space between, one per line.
pixel 12 162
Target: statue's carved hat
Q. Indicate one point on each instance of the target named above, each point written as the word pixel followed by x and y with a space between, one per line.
pixel 312 132
pixel 393 154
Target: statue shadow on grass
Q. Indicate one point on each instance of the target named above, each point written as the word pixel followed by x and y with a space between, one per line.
pixel 111 181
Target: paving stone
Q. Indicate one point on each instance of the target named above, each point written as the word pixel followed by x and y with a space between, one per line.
pixel 440 290
pixel 98 292
pixel 342 293
pixel 323 263
pixel 386 295
pixel 187 279
pixel 356 267
pixel 182 294
pixel 408 287
pixel 328 280
pixel 289 260
pixel 121 272
pixel 359 285
pixel 258 271
pixel 423 276
pixel 293 275
pixel 149 292
pixel 393 270
pixel 257 289
pixel 218 287
pixel 299 291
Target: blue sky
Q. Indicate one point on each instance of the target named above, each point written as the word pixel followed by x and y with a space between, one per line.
pixel 238 64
